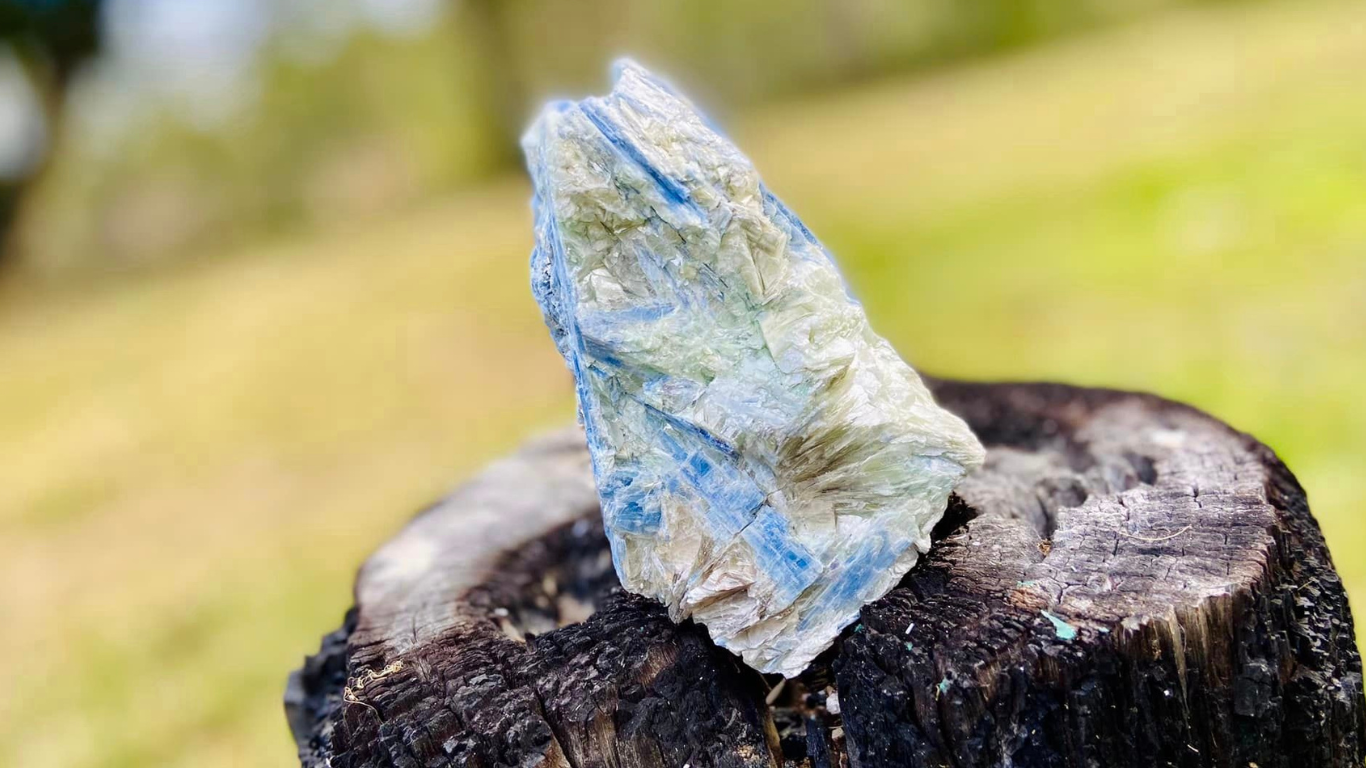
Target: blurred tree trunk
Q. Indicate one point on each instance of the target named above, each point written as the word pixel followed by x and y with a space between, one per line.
pixel 49 83
pixel 489 24
pixel 50 40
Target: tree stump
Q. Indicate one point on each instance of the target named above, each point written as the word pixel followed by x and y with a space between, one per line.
pixel 1127 582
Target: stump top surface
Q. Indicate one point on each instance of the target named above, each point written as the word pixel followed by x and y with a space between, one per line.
pixel 1126 580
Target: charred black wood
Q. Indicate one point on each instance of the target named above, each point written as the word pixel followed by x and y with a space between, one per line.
pixel 1127 582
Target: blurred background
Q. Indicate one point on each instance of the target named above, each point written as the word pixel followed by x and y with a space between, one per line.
pixel 263 278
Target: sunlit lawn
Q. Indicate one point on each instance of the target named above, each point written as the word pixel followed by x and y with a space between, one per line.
pixel 195 461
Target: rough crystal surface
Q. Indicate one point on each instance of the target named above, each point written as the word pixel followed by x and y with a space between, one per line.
pixel 767 464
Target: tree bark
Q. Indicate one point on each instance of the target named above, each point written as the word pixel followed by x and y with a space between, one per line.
pixel 1127 582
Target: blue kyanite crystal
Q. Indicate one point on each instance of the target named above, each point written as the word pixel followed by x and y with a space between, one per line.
pixel 767 464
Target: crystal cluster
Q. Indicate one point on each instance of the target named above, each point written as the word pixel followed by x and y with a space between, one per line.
pixel 767 464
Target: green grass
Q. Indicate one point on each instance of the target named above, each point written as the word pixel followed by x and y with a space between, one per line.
pixel 197 459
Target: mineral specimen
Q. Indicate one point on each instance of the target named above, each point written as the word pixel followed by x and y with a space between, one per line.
pixel 766 463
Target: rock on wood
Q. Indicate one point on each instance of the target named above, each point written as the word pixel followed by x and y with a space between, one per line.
pixel 1127 582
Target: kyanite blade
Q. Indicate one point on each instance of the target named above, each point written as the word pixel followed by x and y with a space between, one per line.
pixel 767 464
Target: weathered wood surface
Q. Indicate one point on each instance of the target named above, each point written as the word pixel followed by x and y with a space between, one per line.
pixel 1127 582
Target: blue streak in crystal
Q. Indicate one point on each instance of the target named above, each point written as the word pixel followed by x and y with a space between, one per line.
pixel 675 192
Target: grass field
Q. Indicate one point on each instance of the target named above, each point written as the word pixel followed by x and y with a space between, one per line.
pixel 195 461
